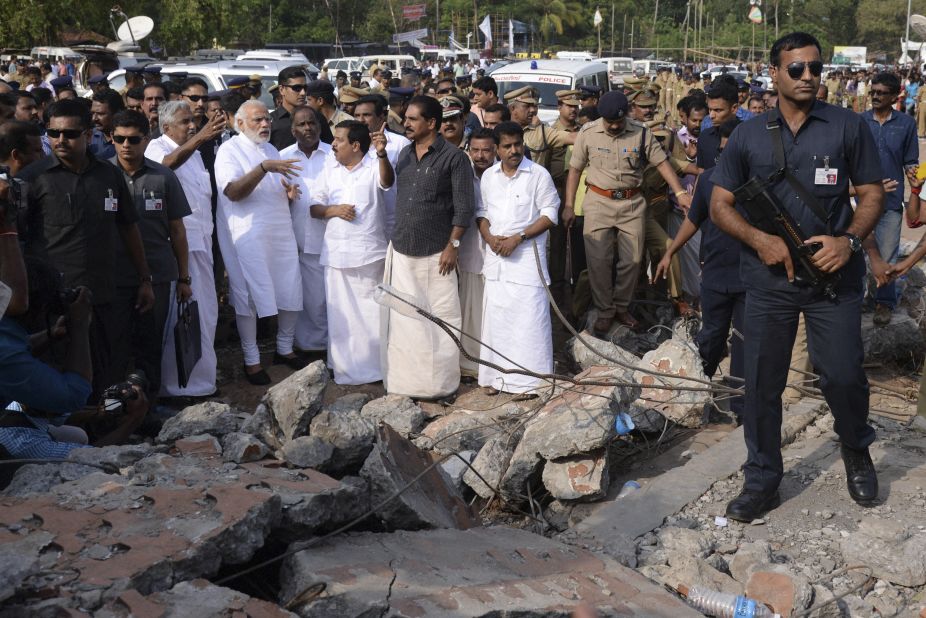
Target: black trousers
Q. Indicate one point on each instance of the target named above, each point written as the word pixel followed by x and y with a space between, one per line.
pixel 720 310
pixel 140 335
pixel 834 342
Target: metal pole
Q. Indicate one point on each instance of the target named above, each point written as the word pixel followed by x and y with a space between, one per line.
pixel 612 28
pixel 906 39
pixel 624 36
pixel 687 13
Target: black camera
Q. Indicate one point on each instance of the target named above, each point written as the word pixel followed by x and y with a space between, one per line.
pixel 116 396
pixel 17 195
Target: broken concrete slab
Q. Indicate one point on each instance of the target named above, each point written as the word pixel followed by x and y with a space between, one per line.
pixel 307 452
pixel 210 417
pixel 261 426
pixel 456 467
pixel 692 571
pixel 397 411
pixel 491 463
pixel 242 447
pixel 894 550
pixel 20 558
pixel 115 456
pixel 203 444
pixel 685 542
pixel 466 430
pixel 493 571
pixel 294 402
pixel 37 479
pixel 677 358
pixel 423 496
pixel 644 510
pixel 900 341
pixel 604 353
pixel 749 557
pixel 192 599
pixel 349 434
pixel 580 477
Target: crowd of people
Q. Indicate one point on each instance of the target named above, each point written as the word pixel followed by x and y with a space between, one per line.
pixel 372 218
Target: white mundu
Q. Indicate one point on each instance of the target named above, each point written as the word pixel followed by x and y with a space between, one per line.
pixel 472 287
pixel 516 315
pixel 312 327
pixel 353 254
pixel 194 178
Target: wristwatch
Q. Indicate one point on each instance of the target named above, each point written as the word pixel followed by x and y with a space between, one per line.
pixel 455 243
pixel 146 279
pixel 186 280
pixel 523 236
pixel 854 243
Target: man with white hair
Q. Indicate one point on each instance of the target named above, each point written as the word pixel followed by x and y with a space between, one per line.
pixel 173 149
pixel 256 237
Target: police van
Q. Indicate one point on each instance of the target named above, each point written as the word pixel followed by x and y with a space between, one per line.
pixel 548 76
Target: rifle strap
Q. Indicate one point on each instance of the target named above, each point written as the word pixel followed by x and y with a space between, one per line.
pixel 778 151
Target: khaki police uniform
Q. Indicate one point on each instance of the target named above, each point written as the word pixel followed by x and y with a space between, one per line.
pixel 921 111
pixel 338 117
pixel 613 164
pixel 395 123
pixel 539 139
pixel 559 170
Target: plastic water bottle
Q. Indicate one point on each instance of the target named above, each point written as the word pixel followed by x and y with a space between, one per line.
pixel 628 487
pixel 726 605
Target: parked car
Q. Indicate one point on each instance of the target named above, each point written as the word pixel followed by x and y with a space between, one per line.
pixel 548 76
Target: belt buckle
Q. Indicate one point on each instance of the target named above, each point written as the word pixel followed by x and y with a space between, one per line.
pixel 617 194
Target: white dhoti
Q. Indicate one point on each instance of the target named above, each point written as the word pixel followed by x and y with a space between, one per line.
pixel 202 380
pixel 312 327
pixel 421 360
pixel 353 323
pixel 516 323
pixel 471 291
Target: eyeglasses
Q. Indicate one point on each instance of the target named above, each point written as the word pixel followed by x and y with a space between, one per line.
pixel 295 87
pixel 796 69
pixel 445 91
pixel 882 93
pixel 69 134
pixel 196 98
pixel 135 140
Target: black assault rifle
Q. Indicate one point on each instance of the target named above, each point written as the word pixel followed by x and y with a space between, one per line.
pixel 768 215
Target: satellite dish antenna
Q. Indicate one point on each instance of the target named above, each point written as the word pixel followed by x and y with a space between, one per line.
pixel 135 28
pixel 918 25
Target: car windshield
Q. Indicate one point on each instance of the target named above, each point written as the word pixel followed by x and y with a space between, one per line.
pixel 622 66
pixel 546 85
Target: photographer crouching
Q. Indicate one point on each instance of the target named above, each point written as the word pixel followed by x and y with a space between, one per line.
pixel 42 409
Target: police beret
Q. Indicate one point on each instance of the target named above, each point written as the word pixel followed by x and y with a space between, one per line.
pixel 590 90
pixel 96 79
pixel 356 74
pixel 612 105
pixel 218 94
pixel 137 69
pixel 179 76
pixel 318 87
pixel 401 93
pixel 236 82
pixel 568 97
pixel 150 70
pixel 62 82
pixel 522 95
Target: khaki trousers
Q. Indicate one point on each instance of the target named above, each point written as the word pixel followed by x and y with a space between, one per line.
pixel 609 224
pixel 921 119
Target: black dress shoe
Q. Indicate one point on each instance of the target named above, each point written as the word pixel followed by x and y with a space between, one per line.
pixel 257 379
pixel 861 478
pixel 752 504
pixel 293 362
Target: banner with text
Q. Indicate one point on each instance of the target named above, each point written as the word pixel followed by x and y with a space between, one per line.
pixel 414 12
pixel 404 37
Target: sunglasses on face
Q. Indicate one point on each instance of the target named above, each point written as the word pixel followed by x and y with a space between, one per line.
pixel 881 93
pixel 66 133
pixel 196 98
pixel 295 87
pixel 796 69
pixel 445 91
pixel 135 140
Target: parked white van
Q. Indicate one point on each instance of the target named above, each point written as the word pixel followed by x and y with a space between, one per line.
pixel 618 68
pixel 392 62
pixel 548 76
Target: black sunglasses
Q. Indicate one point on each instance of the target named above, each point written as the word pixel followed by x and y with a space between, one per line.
pixel 196 98
pixel 796 69
pixel 135 140
pixel 67 133
pixel 445 91
pixel 295 87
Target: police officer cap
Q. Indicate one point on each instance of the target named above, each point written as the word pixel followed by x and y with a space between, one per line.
pixel 593 91
pixel 254 78
pixel 237 82
pixel 522 95
pixel 356 74
pixel 741 84
pixel 217 95
pixel 613 105
pixel 137 69
pixel 274 88
pixel 644 97
pixel 150 70
pixel 96 79
pixel 452 105
pixel 568 97
pixel 464 79
pixel 62 82
pixel 401 93
pixel 319 87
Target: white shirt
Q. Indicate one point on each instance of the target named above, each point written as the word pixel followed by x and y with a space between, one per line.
pixel 472 247
pixel 310 233
pixel 511 205
pixel 394 145
pixel 349 244
pixel 194 178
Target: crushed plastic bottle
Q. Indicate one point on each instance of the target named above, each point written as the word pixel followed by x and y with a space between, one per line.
pixel 623 424
pixel 628 487
pixel 726 605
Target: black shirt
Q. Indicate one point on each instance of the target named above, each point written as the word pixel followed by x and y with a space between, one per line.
pixel 69 222
pixel 281 128
pixel 433 194
pixel 719 253
pixel 831 135
pixel 708 147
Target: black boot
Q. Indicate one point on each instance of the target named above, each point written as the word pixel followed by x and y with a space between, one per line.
pixel 751 504
pixel 861 478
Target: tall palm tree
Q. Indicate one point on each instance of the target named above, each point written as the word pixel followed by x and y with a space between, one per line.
pixel 556 16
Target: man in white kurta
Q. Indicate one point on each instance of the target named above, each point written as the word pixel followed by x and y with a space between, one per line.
pixel 350 197
pixel 519 206
pixel 372 111
pixel 256 236
pixel 313 157
pixel 177 130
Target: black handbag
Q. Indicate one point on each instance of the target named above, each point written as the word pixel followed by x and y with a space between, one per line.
pixel 187 340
